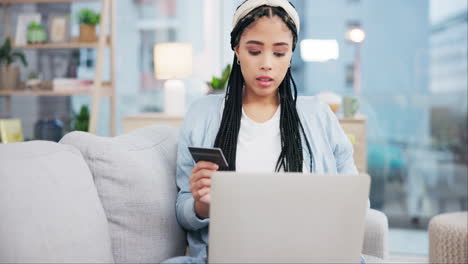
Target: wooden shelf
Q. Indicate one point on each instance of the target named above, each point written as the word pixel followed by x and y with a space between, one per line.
pixel 42 1
pixel 71 45
pixel 105 40
pixel 106 91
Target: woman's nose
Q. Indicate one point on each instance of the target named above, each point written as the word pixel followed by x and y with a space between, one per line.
pixel 266 63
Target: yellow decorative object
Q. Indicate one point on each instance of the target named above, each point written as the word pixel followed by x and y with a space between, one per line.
pixel 10 130
pixel 352 138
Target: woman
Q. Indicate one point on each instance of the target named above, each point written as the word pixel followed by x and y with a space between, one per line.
pixel 259 124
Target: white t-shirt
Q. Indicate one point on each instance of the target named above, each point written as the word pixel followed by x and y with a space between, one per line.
pixel 258 144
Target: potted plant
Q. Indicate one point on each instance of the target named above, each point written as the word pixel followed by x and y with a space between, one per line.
pixel 36 33
pixel 9 74
pixel 88 19
pixel 80 121
pixel 33 82
pixel 217 85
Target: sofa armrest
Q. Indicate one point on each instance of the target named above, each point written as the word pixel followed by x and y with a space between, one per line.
pixel 376 234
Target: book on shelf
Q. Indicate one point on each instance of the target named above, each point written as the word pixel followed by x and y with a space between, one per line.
pixel 67 84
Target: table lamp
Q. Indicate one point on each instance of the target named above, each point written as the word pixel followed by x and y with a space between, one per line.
pixel 172 62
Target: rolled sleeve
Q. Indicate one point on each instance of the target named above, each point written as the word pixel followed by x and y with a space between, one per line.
pixel 341 145
pixel 185 210
pixel 190 218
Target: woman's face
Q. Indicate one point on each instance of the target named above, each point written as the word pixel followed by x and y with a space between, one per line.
pixel 264 52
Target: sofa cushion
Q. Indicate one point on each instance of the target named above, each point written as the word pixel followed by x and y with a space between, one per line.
pixel 376 234
pixel 49 207
pixel 135 178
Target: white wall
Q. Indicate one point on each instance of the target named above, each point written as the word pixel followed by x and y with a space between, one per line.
pixel 206 24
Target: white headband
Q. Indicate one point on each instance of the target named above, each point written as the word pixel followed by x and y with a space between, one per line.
pixel 250 5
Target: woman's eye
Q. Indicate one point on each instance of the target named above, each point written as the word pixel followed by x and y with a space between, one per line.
pixel 254 52
pixel 280 54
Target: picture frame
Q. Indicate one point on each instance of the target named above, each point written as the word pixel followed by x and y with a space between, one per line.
pixel 22 26
pixel 10 131
pixel 59 28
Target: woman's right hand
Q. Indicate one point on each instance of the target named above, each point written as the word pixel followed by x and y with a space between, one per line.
pixel 200 186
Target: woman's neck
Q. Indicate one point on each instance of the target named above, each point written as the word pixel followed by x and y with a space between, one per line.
pixel 252 99
pixel 260 109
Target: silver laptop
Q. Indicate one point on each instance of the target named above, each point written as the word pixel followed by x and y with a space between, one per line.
pixel 287 218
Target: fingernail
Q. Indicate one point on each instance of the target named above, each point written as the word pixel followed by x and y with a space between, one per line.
pixel 216 166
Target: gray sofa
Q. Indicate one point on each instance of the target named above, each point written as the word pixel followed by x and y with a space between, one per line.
pixel 103 200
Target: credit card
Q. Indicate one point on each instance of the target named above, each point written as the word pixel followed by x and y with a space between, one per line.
pixel 214 155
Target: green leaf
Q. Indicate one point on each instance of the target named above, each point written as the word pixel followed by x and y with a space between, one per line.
pixel 34 25
pixel 7 56
pixel 220 83
pixel 226 72
pixel 216 83
pixel 20 55
pixel 88 17
pixel 7 46
pixel 84 112
pixel 81 120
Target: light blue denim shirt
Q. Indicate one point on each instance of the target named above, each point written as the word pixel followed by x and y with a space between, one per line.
pixel 331 148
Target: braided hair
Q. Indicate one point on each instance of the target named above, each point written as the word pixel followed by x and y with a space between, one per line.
pixel 290 158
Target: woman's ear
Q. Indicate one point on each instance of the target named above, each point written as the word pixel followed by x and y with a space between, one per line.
pixel 236 50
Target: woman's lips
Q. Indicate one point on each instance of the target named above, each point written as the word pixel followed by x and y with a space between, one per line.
pixel 264 81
